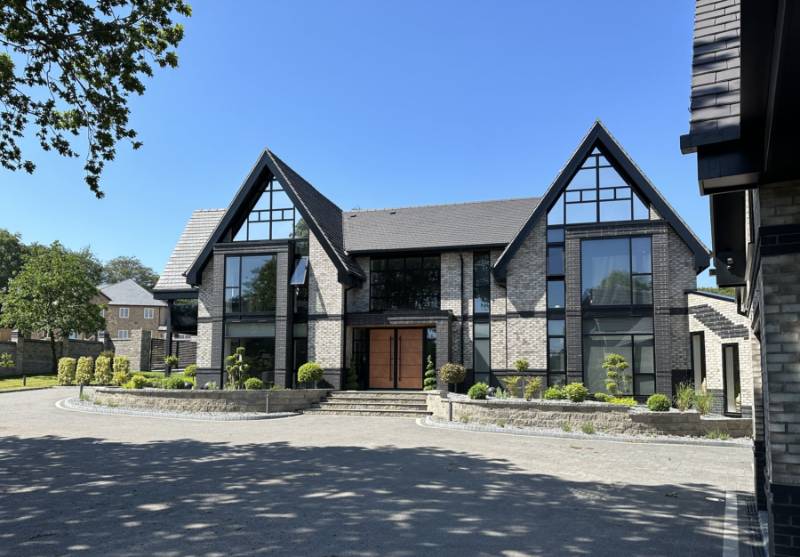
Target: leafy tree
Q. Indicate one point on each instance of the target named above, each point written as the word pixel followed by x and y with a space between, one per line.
pixel 53 294
pixel 123 268
pixel 12 253
pixel 69 67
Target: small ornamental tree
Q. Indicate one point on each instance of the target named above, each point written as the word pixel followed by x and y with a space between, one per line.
pixel 451 373
pixel 310 372
pixel 53 293
pixel 6 361
pixel 521 365
pixel 237 368
pixel 351 381
pixel 171 361
pixel 617 381
pixel 429 384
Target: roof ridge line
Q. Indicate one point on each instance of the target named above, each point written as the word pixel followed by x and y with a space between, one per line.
pixel 528 198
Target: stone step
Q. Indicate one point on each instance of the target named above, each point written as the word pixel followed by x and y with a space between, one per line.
pixel 362 412
pixel 387 405
pixel 380 395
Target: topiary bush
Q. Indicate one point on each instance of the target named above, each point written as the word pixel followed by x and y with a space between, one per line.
pixel 138 381
pixel 253 384
pixel 191 370
pixel 658 403
pixel 102 370
pixel 452 373
pixel 84 372
pixel 171 361
pixel 429 383
pixel 122 365
pixel 119 378
pixel 533 387
pixel 478 391
pixel 576 392
pixel 602 397
pixel 554 392
pixel 66 371
pixel 310 372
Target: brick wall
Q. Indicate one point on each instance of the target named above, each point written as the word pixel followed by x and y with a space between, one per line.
pixel 9 348
pixel 35 356
pixel 136 349
pixel 135 319
pixel 325 305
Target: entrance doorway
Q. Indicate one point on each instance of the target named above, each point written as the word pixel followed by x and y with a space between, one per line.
pixel 395 358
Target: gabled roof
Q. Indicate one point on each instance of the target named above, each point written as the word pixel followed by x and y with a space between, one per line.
pixel 599 137
pixel 459 225
pixel 193 238
pixel 716 91
pixel 324 218
pixel 129 293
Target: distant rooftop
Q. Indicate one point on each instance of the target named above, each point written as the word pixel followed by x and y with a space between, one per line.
pixel 129 293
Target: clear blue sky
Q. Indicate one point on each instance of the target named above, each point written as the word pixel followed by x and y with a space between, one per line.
pixel 379 104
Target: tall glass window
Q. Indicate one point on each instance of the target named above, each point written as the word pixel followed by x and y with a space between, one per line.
pixel 616 272
pixel 597 193
pixel 630 337
pixel 482 348
pixel 481 282
pixel 273 217
pixel 556 303
pixel 407 282
pixel 698 359
pixel 250 284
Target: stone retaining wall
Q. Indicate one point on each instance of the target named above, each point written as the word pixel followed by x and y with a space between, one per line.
pixel 606 418
pixel 209 401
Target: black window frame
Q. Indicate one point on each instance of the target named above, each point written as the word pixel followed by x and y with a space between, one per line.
pixel 556 313
pixel 633 364
pixel 485 281
pixel 270 314
pixel 435 283
pixel 703 371
pixel 265 216
pixel 589 307
pixel 737 375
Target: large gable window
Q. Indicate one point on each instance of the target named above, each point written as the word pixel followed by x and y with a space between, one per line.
pixel 273 217
pixel 597 193
pixel 409 282
pixel 250 284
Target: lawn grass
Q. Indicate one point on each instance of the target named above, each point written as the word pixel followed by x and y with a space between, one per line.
pixel 33 382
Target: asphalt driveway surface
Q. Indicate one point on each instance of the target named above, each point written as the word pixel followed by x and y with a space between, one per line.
pixel 85 484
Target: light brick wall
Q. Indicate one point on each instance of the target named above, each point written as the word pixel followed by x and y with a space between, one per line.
pixel 209 315
pixel 721 324
pixel 325 304
pixel 358 298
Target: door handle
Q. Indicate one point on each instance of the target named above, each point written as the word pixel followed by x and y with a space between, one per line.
pixel 391 358
pixel 399 358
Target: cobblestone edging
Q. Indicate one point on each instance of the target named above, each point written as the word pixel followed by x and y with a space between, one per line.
pixel 78 405
pixel 601 417
pixel 432 422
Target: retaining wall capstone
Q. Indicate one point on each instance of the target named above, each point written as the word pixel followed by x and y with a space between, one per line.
pixel 209 401
pixel 604 417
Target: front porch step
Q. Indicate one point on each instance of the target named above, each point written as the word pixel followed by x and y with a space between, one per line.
pixel 412 404
pixel 367 412
pixel 383 405
pixel 369 395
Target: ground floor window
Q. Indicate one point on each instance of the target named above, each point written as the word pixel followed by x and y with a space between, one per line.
pixel 299 348
pixel 732 386
pixel 258 341
pixel 481 351
pixel 698 359
pixel 630 337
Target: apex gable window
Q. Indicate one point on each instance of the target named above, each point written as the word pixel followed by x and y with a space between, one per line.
pixel 617 272
pixel 250 284
pixel 124 313
pixel 273 217
pixel 597 193
pixel 404 282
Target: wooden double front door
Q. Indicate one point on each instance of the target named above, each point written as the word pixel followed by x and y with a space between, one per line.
pixel 395 358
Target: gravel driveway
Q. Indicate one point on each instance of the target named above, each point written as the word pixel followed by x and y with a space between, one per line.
pixel 84 484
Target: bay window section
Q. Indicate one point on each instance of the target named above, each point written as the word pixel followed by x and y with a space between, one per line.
pixel 404 283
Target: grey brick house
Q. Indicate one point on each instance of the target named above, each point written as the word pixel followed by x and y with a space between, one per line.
pixel 599 263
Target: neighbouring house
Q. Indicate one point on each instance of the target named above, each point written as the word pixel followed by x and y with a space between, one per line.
pixel 131 307
pixel 599 263
pixel 744 117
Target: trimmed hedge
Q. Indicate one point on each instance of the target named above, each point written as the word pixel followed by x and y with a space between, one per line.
pixel 554 392
pixel 658 403
pixel 66 371
pixel 191 370
pixel 478 391
pixel 576 392
pixel 310 372
pixel 253 384
pixel 102 370
pixel 122 364
pixel 84 372
pixel 452 373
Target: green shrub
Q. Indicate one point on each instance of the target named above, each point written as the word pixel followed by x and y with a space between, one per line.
pixel 6 360
pixel 452 373
pixel 684 397
pixel 658 403
pixel 119 378
pixel 511 383
pixel 616 379
pixel 566 426
pixel 554 392
pixel 702 401
pixel 718 434
pixel 602 397
pixel 122 364
pixel 478 391
pixel 66 371
pixel 102 370
pixel 171 361
pixel 622 400
pixel 138 381
pixel 429 384
pixel 210 386
pixel 310 372
pixel 501 394
pixel 84 372
pixel 253 384
pixel 176 381
pixel 521 365
pixel 533 387
pixel 576 392
pixel 108 354
pixel 588 428
pixel 191 370
pixel 278 388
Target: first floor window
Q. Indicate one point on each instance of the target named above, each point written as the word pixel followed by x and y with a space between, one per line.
pixel 123 334
pixel 250 283
pixel 149 313
pixel 124 313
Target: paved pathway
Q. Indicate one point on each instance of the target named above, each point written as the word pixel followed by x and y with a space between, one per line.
pixel 84 484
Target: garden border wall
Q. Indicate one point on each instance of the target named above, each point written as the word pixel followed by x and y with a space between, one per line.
pixel 604 417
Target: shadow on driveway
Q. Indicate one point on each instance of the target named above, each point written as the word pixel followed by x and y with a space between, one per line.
pixel 90 497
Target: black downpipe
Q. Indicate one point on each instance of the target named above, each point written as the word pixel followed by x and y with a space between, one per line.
pixel 463 315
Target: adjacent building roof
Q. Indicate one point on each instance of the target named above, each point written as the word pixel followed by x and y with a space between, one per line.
pixel 129 293
pixel 716 92
pixel 482 223
pixel 195 235
pixel 599 138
